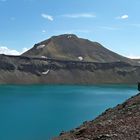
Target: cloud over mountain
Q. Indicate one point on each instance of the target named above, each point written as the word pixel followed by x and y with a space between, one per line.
pixel 6 50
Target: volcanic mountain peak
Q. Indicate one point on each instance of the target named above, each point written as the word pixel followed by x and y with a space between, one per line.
pixel 64 36
pixel 58 38
pixel 71 47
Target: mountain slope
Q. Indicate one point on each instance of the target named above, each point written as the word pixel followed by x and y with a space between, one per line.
pixel 28 70
pixel 67 59
pixel 119 123
pixel 70 47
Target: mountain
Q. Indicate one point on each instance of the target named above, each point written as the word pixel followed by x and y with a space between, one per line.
pixel 67 59
pixel 70 47
pixel 119 123
pixel 137 60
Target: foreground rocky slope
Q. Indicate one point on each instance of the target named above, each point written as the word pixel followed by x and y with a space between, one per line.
pixel 119 123
pixel 28 70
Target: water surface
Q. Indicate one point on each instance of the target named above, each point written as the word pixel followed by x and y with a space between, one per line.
pixel 39 112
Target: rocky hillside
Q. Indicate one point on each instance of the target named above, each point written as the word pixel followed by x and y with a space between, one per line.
pixel 67 59
pixel 28 70
pixel 70 47
pixel 137 60
pixel 119 123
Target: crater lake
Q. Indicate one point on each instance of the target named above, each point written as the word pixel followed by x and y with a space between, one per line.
pixel 41 112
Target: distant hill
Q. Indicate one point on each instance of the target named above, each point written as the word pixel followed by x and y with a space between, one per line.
pixel 70 47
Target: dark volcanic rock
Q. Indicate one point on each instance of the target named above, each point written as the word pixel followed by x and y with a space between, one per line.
pixel 21 69
pixel 119 123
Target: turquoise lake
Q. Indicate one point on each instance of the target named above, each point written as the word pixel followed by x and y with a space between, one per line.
pixel 40 112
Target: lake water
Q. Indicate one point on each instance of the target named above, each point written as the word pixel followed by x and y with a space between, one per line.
pixel 39 112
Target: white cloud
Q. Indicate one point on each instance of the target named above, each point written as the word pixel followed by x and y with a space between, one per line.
pixel 133 56
pixel 123 17
pixel 80 15
pixel 44 31
pixel 6 50
pixel 46 16
pixel 24 50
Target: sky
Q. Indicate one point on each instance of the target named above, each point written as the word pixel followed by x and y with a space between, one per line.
pixel 114 24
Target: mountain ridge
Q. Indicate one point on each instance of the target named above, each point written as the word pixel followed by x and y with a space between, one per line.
pixel 71 47
pixel 68 60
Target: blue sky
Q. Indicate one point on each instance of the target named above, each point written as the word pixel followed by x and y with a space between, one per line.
pixel 115 24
